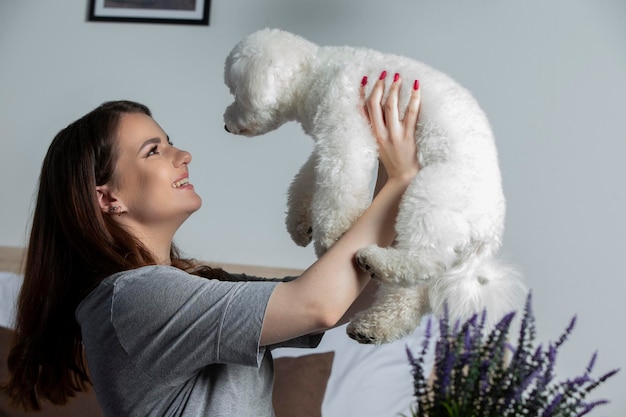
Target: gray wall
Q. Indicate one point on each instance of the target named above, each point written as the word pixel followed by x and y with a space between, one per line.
pixel 550 74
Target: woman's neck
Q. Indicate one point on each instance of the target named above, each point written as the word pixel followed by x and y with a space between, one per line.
pixel 158 243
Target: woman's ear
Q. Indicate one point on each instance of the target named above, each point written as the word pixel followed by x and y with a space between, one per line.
pixel 107 200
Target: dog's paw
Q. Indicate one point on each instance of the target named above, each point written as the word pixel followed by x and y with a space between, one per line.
pixel 320 248
pixel 390 265
pixel 377 327
pixel 365 330
pixel 373 260
pixel 363 262
pixel 301 234
pixel 361 338
pixel 359 334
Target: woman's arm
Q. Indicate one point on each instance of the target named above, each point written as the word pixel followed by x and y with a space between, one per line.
pixel 319 298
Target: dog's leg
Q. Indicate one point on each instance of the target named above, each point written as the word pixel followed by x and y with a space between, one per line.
pixel 344 173
pixel 399 266
pixel 433 233
pixel 299 200
pixel 396 312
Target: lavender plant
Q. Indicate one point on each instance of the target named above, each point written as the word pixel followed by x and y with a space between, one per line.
pixel 475 376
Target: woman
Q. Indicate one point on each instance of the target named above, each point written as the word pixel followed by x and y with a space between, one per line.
pixel 104 278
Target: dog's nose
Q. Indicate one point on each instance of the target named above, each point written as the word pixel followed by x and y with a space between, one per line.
pixel 226 128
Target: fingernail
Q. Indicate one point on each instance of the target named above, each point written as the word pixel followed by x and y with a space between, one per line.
pixel 364 80
pixel 383 75
pixel 416 85
pixel 396 77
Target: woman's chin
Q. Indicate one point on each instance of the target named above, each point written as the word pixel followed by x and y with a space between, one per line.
pixel 195 205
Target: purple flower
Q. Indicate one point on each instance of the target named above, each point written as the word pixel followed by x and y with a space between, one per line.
pixel 472 377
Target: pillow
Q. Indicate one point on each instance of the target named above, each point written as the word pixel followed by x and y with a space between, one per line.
pixel 300 384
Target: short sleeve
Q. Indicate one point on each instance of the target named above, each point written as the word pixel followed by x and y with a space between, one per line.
pixel 172 324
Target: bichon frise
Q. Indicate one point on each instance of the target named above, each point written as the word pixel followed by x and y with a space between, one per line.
pixel 451 219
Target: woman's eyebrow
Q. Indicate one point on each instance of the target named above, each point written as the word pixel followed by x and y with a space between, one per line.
pixel 148 142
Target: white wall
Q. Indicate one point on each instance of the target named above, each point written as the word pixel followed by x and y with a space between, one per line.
pixel 551 76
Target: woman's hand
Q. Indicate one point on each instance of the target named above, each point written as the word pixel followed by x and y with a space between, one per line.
pixel 395 135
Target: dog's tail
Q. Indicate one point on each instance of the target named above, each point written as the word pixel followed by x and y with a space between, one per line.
pixel 480 284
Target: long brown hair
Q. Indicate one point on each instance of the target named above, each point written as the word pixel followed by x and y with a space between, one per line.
pixel 72 247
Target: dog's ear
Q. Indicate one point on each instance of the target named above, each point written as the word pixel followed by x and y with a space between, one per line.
pixel 266 65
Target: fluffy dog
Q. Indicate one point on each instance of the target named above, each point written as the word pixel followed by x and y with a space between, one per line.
pixel 451 219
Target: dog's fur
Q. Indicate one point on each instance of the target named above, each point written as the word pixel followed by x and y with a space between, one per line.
pixel 451 218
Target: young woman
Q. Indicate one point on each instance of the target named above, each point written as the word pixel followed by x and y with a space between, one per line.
pixel 103 280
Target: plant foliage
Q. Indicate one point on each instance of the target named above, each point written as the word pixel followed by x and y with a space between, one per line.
pixel 478 374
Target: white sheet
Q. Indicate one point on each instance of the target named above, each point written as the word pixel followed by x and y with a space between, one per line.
pixel 366 380
pixel 10 284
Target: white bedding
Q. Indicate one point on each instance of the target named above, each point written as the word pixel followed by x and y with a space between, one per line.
pixel 9 288
pixel 366 380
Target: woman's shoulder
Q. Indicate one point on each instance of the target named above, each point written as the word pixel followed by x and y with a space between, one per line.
pixel 152 277
pixel 154 285
pixel 164 283
pixel 138 277
pixel 144 272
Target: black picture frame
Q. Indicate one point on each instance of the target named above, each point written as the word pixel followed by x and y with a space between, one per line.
pixel 187 12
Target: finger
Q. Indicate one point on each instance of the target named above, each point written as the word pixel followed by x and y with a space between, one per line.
pixel 391 106
pixel 374 104
pixel 362 90
pixel 362 105
pixel 413 108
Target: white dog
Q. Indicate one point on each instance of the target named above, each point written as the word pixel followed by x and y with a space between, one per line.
pixel 451 217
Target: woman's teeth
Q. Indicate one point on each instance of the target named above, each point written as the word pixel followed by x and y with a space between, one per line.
pixel 180 183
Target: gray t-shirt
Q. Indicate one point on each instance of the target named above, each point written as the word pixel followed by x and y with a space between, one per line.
pixel 161 342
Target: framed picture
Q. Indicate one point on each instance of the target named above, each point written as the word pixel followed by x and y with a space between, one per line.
pixel 189 12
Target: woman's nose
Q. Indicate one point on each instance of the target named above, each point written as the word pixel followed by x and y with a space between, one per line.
pixel 182 157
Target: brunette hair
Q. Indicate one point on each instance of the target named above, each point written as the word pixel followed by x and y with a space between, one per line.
pixel 73 246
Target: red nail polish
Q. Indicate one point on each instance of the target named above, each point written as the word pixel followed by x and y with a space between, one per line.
pixel 364 80
pixel 396 77
pixel 383 75
pixel 416 85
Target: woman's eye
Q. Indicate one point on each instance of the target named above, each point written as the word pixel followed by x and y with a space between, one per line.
pixel 153 151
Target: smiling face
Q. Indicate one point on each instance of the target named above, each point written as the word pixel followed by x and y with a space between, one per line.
pixel 150 182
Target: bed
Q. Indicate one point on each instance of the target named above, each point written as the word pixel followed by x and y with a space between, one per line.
pixel 337 379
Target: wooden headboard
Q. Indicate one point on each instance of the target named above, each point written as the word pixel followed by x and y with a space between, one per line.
pixel 11 260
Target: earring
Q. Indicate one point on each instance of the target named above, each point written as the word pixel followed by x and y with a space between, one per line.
pixel 113 209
